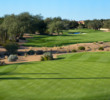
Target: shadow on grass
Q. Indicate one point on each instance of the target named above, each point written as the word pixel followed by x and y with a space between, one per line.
pixel 26 73
pixel 25 78
pixel 59 58
pixel 14 67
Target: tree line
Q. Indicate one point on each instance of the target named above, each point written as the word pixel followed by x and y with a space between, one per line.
pixel 12 27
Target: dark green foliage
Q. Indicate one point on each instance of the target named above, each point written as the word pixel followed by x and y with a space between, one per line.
pixel 11 47
pixel 1 20
pixel 106 24
pixel 47 56
pixel 39 52
pixel 74 50
pixel 14 26
pixel 12 58
pixel 22 38
pixel 3 35
pixel 31 52
pixel 42 27
pixel 101 48
pixel 42 58
pixel 20 53
pixel 56 27
pixel 94 24
pixel 81 48
pixel 73 24
pixel 81 26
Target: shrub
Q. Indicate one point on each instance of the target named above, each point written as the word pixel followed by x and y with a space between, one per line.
pixel 47 56
pixel 101 48
pixel 22 38
pixel 74 50
pixel 42 58
pixel 11 47
pixel 81 48
pixel 100 42
pixel 20 53
pixel 39 52
pixel 31 52
pixel 12 58
pixel 2 63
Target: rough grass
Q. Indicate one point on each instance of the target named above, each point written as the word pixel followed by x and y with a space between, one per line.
pixel 67 39
pixel 78 76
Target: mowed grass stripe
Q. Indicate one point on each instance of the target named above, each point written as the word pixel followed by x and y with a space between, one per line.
pixel 90 81
pixel 66 39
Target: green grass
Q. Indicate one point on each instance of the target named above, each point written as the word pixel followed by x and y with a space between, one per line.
pixel 78 76
pixel 67 39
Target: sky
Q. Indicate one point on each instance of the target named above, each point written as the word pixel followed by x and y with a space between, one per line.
pixel 67 9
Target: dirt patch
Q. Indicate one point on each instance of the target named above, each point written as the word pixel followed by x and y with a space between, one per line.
pixel 90 47
pixel 29 58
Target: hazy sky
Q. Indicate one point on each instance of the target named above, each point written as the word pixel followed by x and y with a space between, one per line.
pixel 70 9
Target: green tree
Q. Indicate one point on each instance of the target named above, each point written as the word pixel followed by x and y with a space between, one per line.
pixel 73 24
pixel 94 24
pixel 3 35
pixel 38 25
pixel 81 26
pixel 106 24
pixel 11 25
pixel 57 27
pixel 1 20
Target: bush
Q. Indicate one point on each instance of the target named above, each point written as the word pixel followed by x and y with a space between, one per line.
pixel 81 48
pixel 39 52
pixel 12 58
pixel 2 63
pixel 100 42
pixel 31 52
pixel 101 48
pixel 47 56
pixel 22 38
pixel 20 53
pixel 74 50
pixel 11 47
pixel 42 58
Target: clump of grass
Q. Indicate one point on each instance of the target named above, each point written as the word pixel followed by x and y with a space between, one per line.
pixel 74 50
pixel 81 48
pixel 101 48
